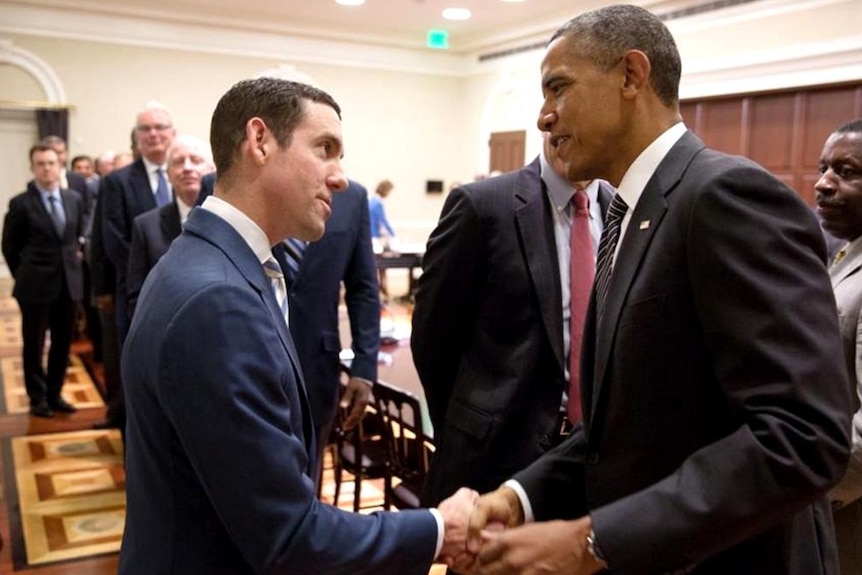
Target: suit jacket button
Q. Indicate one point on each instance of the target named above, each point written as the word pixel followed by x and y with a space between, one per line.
pixel 592 458
pixel 545 440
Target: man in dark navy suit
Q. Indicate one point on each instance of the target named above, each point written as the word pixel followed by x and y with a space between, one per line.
pixel 221 444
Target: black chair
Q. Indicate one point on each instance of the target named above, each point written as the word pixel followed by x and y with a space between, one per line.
pixel 407 445
pixel 360 451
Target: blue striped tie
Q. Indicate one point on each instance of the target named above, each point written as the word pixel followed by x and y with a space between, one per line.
pixel 294 249
pixel 276 280
pixel 607 247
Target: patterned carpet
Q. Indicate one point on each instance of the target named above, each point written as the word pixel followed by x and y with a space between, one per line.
pixel 78 388
pixel 70 489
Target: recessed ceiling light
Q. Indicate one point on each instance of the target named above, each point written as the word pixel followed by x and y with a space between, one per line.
pixel 350 2
pixel 457 14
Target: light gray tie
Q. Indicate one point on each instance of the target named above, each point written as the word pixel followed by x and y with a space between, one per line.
pixel 56 216
pixel 279 288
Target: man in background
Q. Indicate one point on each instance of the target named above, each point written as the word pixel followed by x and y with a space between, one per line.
pixel 839 205
pixel 492 326
pixel 189 159
pixel 314 274
pixel 125 194
pixel 221 445
pixel 715 397
pixel 41 234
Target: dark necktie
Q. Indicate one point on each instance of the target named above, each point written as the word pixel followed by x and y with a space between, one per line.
pixel 276 280
pixel 56 216
pixel 607 247
pixel 581 271
pixel 162 195
pixel 294 249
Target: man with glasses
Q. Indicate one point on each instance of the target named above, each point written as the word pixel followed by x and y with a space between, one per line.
pixel 125 194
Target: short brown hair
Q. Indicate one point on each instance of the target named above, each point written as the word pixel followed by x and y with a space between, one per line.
pixel 40 147
pixel 279 103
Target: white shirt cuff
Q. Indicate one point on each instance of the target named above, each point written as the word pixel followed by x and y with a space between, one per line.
pixel 441 531
pixel 525 501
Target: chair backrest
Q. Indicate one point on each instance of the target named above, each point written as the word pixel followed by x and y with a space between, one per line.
pixel 401 413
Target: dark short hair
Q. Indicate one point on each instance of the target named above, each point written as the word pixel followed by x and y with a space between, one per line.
pixel 604 35
pixel 41 147
pixel 852 127
pixel 82 157
pixel 279 103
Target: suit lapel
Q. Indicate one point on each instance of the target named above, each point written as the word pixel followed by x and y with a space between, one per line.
pixel 207 225
pixel 846 270
pixel 140 182
pixel 534 222
pixel 169 219
pixel 645 221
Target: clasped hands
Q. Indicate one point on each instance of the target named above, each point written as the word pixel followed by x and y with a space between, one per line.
pixel 486 535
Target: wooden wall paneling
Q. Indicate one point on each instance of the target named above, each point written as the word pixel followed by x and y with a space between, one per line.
pixel 721 127
pixel 771 134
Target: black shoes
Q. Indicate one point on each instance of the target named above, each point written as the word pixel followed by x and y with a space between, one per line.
pixel 48 408
pixel 41 410
pixel 62 406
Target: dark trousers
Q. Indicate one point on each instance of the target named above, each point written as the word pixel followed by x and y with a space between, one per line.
pixel 58 317
pixel 116 413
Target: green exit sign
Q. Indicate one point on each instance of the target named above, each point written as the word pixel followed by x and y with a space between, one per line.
pixel 438 39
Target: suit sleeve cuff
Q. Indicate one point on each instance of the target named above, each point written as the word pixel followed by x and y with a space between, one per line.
pixel 441 531
pixel 522 496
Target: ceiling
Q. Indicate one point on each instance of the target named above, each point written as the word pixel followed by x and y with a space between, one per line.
pixel 398 23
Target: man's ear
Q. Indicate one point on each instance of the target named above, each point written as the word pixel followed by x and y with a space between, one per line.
pixel 257 139
pixel 637 73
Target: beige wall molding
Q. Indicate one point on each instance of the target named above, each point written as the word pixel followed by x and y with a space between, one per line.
pixel 50 82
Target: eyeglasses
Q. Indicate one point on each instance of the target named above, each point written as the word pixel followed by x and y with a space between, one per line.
pixel 153 128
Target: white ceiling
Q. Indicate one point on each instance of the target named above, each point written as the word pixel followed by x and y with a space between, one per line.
pixel 401 23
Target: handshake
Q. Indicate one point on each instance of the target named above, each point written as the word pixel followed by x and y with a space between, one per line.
pixel 486 535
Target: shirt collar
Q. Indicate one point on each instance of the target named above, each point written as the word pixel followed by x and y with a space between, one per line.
pixel 45 193
pixel 252 233
pixel 151 167
pixel 639 173
pixel 183 209
pixel 560 191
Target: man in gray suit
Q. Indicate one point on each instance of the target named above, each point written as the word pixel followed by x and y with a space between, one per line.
pixel 839 204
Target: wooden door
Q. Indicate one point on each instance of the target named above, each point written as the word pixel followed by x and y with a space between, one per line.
pixel 507 151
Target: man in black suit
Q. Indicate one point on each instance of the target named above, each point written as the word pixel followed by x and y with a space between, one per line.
pixel 133 190
pixel 41 235
pixel 343 254
pixel 125 194
pixel 716 401
pixel 491 325
pixel 189 159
